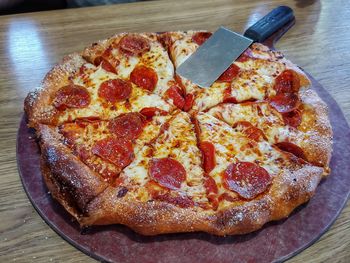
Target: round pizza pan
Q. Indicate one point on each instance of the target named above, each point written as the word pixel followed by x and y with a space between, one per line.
pixel 275 242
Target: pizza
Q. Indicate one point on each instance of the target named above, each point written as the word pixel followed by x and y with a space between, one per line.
pixel 125 140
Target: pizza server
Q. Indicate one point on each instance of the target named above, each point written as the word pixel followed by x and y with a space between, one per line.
pixel 215 55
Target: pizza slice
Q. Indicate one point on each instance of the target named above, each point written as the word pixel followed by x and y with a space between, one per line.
pixel 258 74
pixel 108 146
pixel 83 90
pixel 163 188
pixel 141 59
pixel 181 45
pixel 241 169
pixel 169 169
pixel 291 133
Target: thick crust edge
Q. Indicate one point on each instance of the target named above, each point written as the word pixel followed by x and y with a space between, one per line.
pixel 289 190
pixel 316 124
pixel 37 103
pixel 70 182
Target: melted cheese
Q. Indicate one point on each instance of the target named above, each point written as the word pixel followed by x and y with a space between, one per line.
pixel 232 146
pixel 261 51
pixel 179 142
pixel 158 59
pixel 264 68
pixel 137 172
pixel 249 85
pixel 259 114
pixel 183 47
pixel 246 86
pixel 126 63
pixel 209 97
pixel 264 117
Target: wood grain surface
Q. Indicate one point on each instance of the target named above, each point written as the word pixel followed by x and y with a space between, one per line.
pixel 30 44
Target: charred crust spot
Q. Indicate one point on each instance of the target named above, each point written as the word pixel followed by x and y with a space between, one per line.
pixel 122 192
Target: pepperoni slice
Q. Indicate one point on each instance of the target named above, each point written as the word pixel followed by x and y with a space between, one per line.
pixel 144 77
pixel 189 100
pixel 84 153
pixel 247 179
pixel 200 37
pixel 149 112
pixel 164 39
pixel 107 61
pixel 179 83
pixel 250 130
pixel 128 126
pixel 98 60
pixel 117 182
pixel 71 96
pixel 284 102
pixel 245 56
pixel 228 197
pixel 210 185
pixel 114 90
pixel 107 66
pixel 182 201
pixel 174 93
pixel 227 96
pixel 213 201
pixel 229 74
pixel 107 53
pixel 85 121
pixel 167 172
pixel 134 45
pixel 208 151
pixel 114 150
pixel 292 118
pixel 292 148
pixel 287 82
pixel 197 127
pixel 82 70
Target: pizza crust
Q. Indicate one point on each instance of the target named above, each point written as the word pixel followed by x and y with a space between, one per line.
pixel 315 122
pixel 283 197
pixel 70 182
pixel 152 218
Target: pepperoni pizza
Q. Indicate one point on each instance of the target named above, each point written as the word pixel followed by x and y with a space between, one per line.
pixel 126 140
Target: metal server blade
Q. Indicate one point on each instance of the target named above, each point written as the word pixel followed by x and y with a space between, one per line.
pixel 212 58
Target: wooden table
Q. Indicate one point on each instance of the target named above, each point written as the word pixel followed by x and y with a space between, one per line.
pixel 30 44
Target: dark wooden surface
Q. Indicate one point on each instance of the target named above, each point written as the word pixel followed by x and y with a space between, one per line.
pixel 30 44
